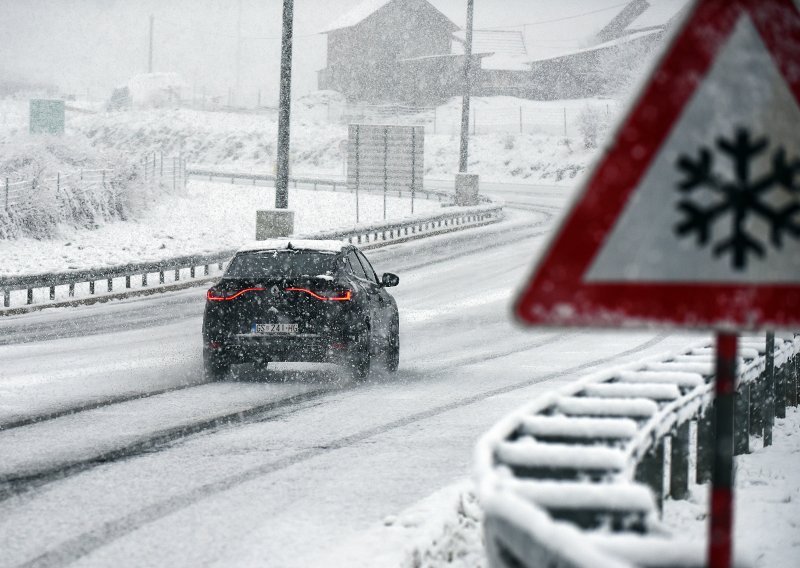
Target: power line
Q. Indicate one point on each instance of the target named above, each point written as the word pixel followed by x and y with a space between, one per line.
pixel 197 31
pixel 561 19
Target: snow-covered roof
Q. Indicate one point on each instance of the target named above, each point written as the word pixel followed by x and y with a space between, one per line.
pixel 357 14
pixel 551 27
pixel 365 9
pixel 505 48
pixel 302 244
pixel 613 43
pixel 505 42
pixel 659 13
pixel 497 62
pixel 502 62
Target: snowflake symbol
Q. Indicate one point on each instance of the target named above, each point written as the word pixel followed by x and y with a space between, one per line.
pixel 740 198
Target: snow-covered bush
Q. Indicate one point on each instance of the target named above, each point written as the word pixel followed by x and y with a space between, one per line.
pixel 67 181
pixel 593 126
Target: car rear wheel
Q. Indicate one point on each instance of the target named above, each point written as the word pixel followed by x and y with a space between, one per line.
pixel 216 368
pixel 393 349
pixel 360 357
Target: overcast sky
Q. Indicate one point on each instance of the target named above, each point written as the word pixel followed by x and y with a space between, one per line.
pixel 94 45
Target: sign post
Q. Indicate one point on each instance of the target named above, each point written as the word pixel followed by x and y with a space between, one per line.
pixel 691 219
pixel 720 542
pixel 385 158
pixel 46 116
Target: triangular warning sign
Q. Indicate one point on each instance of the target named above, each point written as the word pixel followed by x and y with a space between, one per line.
pixel 692 215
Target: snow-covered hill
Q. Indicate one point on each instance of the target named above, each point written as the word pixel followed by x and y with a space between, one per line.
pixel 498 151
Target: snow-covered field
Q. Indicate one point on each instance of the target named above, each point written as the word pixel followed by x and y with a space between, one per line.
pixel 206 218
pixel 498 150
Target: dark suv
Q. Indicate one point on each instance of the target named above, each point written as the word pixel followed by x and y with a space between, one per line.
pixel 300 300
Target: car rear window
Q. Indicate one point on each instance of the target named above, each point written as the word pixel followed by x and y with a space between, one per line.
pixel 281 264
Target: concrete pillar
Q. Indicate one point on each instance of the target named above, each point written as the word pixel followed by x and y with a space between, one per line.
pixel 274 223
pixel 466 189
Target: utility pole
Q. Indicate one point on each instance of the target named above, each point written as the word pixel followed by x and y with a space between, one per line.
pixel 237 95
pixel 284 109
pixel 150 54
pixel 464 150
pixel 466 184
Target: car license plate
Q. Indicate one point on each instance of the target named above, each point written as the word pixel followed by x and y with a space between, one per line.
pixel 274 328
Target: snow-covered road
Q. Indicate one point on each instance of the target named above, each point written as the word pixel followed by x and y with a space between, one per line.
pixel 137 462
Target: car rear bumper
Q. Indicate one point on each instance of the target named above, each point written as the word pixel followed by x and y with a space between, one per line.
pixel 303 348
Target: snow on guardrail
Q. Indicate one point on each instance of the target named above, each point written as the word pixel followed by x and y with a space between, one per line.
pixel 575 479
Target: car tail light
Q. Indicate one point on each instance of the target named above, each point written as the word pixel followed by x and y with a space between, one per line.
pixel 215 295
pixel 326 296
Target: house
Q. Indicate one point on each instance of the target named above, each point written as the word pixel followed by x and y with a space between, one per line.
pixel 365 45
pixel 409 51
pixel 498 59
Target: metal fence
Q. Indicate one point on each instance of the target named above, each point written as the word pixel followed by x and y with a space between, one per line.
pixel 17 192
pixel 155 167
pixel 152 168
pixel 572 477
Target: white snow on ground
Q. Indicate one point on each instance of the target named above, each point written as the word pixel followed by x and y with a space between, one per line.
pixel 208 218
pixel 440 530
pixel 767 500
pixel 319 473
pixel 498 151
pixel 767 521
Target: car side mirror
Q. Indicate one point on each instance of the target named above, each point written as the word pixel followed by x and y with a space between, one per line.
pixel 388 280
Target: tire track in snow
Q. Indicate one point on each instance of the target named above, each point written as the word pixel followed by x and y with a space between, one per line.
pixel 82 545
pixel 16 485
pixel 87 406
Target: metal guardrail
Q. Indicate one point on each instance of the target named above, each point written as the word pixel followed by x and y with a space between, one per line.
pixel 575 479
pixel 65 288
pixel 311 182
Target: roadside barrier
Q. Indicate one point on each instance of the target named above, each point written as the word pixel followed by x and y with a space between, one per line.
pixel 577 477
pixel 32 292
pixel 241 178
